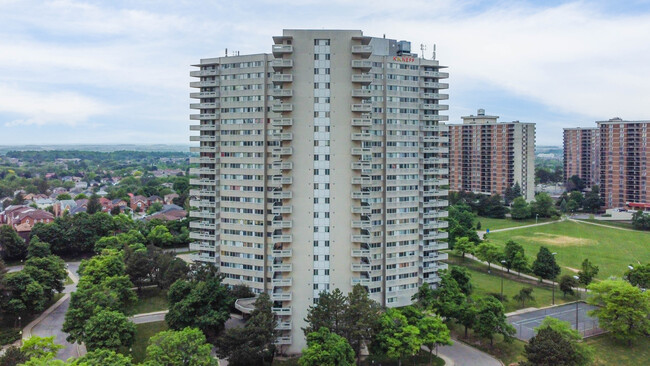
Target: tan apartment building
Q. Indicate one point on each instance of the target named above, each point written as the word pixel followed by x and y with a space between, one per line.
pixel 487 156
pixel 321 165
pixel 624 157
pixel 581 155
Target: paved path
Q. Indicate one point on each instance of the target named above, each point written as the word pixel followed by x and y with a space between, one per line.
pixel 11 269
pixel 50 322
pixel 156 316
pixel 603 225
pixel 460 354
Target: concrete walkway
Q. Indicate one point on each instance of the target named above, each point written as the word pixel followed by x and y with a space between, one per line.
pixel 461 354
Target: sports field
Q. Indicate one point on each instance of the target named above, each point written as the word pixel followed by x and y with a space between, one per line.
pixel 609 248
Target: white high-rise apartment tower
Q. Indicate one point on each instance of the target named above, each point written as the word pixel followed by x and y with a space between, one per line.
pixel 321 165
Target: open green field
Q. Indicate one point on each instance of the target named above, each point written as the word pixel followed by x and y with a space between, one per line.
pixel 142 334
pixel 496 224
pixel 150 299
pixel 621 224
pixel 608 351
pixel 609 248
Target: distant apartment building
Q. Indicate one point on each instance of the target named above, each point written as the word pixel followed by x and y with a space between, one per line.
pixel 321 165
pixel 581 155
pixel 487 156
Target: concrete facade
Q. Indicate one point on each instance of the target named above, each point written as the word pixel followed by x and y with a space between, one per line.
pixel 487 156
pixel 321 165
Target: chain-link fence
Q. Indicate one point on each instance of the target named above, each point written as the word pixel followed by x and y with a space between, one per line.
pixel 574 313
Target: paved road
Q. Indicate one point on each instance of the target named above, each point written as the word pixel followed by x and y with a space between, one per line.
pixel 11 269
pixel 52 323
pixel 461 354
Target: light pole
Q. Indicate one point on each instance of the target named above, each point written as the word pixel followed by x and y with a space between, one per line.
pixel 577 309
pixel 536 216
pixel 553 282
pixel 502 263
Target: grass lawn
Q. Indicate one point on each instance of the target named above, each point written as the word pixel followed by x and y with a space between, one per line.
pixel 621 224
pixel 68 281
pixel 142 334
pixel 485 284
pixel 495 224
pixel 608 351
pixel 508 353
pixel 149 300
pixel 420 359
pixel 610 249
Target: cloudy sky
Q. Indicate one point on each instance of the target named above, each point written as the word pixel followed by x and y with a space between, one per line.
pixel 118 71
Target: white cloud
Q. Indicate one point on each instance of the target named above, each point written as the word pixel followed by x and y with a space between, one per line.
pixel 58 108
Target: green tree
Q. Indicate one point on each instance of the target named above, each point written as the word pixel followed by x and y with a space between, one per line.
pixel 24 293
pixel 325 348
pixel 488 252
pixel 464 245
pixel 466 315
pixel 108 329
pixel 49 272
pixel 545 266
pixel 63 197
pixel 93 205
pixel 639 276
pixel 359 318
pixel 160 236
pixel 329 312
pixel 567 283
pixel 394 337
pixel 102 357
pixel 433 333
pixel 525 294
pixel 199 304
pixel 108 242
pixel 510 253
pixel 520 263
pixel 463 278
pixel 587 273
pixel 592 201
pixel 512 192
pixel 622 309
pixel 448 297
pixel 155 207
pixel 424 298
pixel 550 348
pixel 543 205
pixel 186 347
pixel 14 246
pixel 583 351
pixel 491 320
pixel 520 209
pixel 37 248
pixel 39 346
pixel 12 357
pixel 139 267
pixel 461 224
pixel 96 269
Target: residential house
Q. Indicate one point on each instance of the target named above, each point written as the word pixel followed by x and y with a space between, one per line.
pixel 23 218
pixel 169 213
pixel 155 199
pixel 62 206
pixel 139 203
pixel 169 198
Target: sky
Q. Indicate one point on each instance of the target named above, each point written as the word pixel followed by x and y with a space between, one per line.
pixel 79 72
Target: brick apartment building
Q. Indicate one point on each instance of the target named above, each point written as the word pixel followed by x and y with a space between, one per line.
pixel 581 155
pixel 486 156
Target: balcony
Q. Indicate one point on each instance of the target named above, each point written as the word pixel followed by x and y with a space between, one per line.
pixel 281 78
pixel 435 214
pixel 205 138
pixel 365 65
pixel 284 253
pixel 282 311
pixel 436 139
pixel 203 95
pixel 201 225
pixel 435 74
pixel 284 165
pixel 434 96
pixel 360 253
pixel 359 195
pixel 203 116
pixel 203 214
pixel 197 171
pixel 204 257
pixel 436 225
pixel 203 149
pixel 202 204
pixel 281 64
pixel 360 151
pixel 361 180
pixel 362 78
pixel 436 236
pixel 281 195
pixel 282 93
pixel 202 192
pixel 434 85
pixel 279 179
pixel 279 210
pixel 281 282
pixel 435 150
pixel 286 238
pixel 287 136
pixel 209 127
pixel 281 296
pixel 282 151
pixel 282 107
pixel 281 49
pixel 280 122
pixel 360 281
pixel 202 246
pixel 361 93
pixel 363 136
pixel 361 210
pixel 203 160
pixel 281 224
pixel 433 117
pixel 281 325
pixel 361 267
pixel 285 267
pixel 435 107
pixel 203 182
pixel 202 236
pixel 360 238
pixel 199 73
pixel 211 105
pixel 361 122
pixel 363 50
pixel 362 108
pixel 284 340
pixel 203 84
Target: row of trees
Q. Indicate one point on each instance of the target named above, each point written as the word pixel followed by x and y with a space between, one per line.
pixel 575 201
pixel 27 291
pixel 542 206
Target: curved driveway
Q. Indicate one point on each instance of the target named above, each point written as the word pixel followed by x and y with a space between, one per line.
pixel 460 354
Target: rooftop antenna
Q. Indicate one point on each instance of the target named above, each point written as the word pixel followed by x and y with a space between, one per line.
pixel 434 51
pixel 423 48
pixel 226 52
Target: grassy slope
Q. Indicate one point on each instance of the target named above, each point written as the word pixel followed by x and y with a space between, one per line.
pixel 611 352
pixel 610 249
pixel 149 300
pixel 142 334
pixel 495 224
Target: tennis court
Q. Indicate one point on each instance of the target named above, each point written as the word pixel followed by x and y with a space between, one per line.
pixel 573 313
